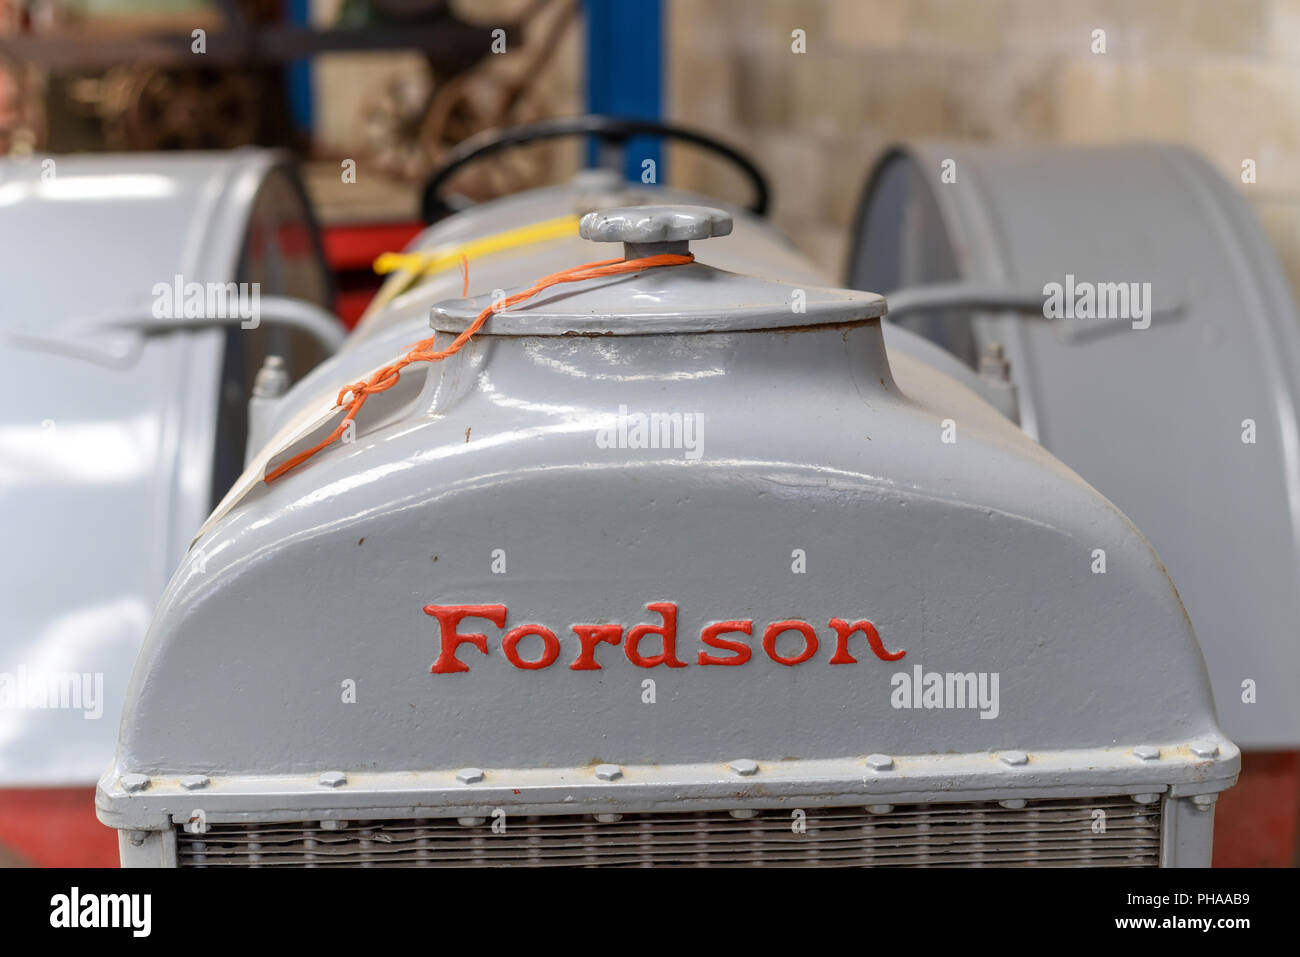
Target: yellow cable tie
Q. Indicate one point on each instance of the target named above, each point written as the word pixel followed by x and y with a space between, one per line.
pixel 434 261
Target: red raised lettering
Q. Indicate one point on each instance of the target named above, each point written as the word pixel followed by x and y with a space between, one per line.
pixel 843 630
pixel 511 641
pixel 710 637
pixel 590 636
pixel 449 616
pixel 668 631
pixel 779 627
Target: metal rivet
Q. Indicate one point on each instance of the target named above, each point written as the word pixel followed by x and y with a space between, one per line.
pixel 469 775
pixel 1147 752
pixel 744 767
pixel 608 818
pixel 470 821
pixel 1204 802
pixel 743 814
pixel 333 779
pixel 880 808
pixel 137 838
pixel 1145 798
pixel 608 772
pixel 880 762
pixel 1205 749
pixel 1014 758
pixel 1013 804
pixel 134 782
pixel 195 782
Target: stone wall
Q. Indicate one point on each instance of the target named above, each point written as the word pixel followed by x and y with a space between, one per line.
pixel 1222 76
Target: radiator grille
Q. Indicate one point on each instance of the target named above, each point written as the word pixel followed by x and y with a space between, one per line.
pixel 1060 833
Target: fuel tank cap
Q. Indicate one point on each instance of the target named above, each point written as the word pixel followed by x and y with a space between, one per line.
pixel 690 298
pixel 650 230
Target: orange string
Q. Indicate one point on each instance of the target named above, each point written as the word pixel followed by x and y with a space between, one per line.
pixel 464 276
pixel 384 379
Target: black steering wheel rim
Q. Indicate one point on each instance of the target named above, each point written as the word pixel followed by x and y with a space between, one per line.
pixel 616 129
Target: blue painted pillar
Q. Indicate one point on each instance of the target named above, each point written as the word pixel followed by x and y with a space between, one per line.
pixel 625 72
pixel 298 74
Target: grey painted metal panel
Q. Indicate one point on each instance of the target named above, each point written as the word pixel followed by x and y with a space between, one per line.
pixel 1152 417
pixel 971 556
pixel 753 248
pixel 138 848
pixel 107 451
pixel 1188 839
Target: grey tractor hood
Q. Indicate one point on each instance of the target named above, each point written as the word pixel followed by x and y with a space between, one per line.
pixel 692 525
pixel 678 299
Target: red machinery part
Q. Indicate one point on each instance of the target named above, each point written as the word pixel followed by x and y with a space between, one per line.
pixel 1257 822
pixel 351 250
pixel 53 827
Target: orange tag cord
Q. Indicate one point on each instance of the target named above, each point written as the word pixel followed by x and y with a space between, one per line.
pixel 354 396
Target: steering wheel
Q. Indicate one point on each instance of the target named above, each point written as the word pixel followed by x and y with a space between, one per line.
pixel 611 129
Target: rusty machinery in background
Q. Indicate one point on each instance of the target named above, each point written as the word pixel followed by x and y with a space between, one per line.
pixel 133 84
pixel 22 113
pixel 411 120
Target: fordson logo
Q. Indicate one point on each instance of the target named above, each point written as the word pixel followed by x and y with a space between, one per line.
pixel 720 638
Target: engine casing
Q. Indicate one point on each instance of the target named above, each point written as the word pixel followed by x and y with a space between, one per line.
pixel 839 583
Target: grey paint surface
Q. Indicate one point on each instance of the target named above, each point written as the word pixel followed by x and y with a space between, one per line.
pixel 107 447
pixel 971 556
pixel 655 224
pixel 1153 418
pixel 752 248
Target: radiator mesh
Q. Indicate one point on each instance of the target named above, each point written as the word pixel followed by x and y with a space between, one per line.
pixel 1053 833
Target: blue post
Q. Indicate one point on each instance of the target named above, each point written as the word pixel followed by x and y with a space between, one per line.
pixel 624 73
pixel 298 74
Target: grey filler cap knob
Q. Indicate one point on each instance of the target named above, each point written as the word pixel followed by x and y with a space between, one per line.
pixel 684 298
pixel 655 229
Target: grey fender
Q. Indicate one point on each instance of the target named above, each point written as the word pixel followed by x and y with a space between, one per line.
pixel 1189 424
pixel 108 448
